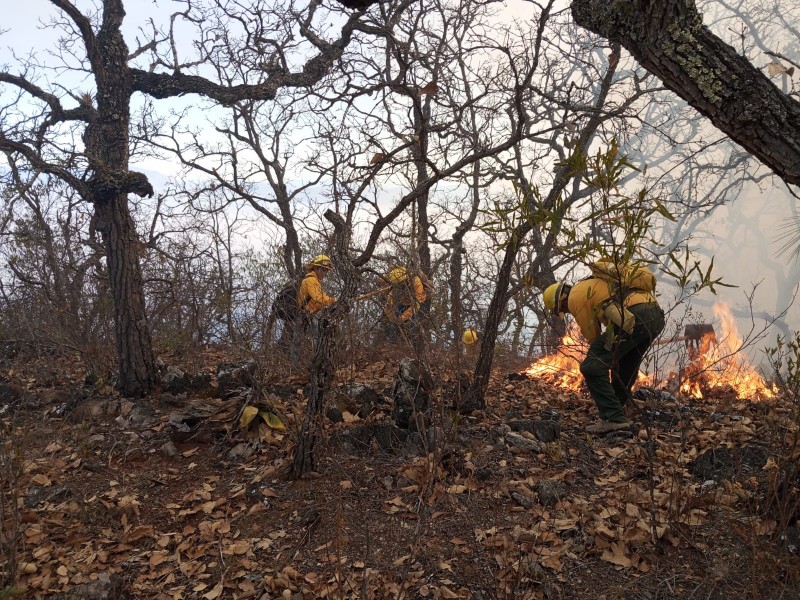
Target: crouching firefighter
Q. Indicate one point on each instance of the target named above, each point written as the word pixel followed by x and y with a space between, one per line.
pixel 621 300
pixel 311 298
pixel 403 303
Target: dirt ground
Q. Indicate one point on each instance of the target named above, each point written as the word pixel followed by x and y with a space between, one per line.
pixel 104 497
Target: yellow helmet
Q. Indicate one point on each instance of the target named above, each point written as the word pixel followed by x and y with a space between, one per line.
pixel 322 261
pixel 470 336
pixel 397 275
pixel 552 298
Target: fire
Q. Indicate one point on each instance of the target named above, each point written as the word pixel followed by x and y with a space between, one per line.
pixel 721 368
pixel 715 368
pixel 562 368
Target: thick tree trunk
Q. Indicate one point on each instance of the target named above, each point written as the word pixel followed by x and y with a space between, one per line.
pixel 137 373
pixel 668 39
pixel 107 148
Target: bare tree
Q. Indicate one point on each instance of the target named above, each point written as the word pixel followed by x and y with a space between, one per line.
pixel 100 172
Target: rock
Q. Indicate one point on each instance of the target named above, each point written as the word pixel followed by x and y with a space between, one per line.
pixel 523 501
pixel 519 441
pixel 107 587
pixel 37 494
pixel 519 425
pixel 547 429
pixel 235 375
pixel 140 416
pixel 334 413
pixel 484 474
pixel 410 394
pixel 385 437
pixel 550 491
pixel 240 452
pixel 175 381
pixel 200 381
pixel 357 399
pixel 723 463
pixel 169 450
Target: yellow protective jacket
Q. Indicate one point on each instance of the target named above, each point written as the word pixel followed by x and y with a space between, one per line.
pixel 404 300
pixel 586 301
pixel 310 297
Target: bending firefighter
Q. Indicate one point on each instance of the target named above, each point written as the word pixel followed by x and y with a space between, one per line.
pixel 621 299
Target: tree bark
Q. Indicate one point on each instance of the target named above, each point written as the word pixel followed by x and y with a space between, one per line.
pixel 668 39
pixel 106 139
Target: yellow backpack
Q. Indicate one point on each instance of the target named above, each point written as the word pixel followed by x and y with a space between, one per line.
pixel 631 277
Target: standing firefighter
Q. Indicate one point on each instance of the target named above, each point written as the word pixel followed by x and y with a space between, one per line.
pixel 311 298
pixel 622 299
pixel 403 303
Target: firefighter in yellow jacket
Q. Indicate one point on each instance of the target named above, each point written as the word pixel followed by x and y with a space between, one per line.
pixel 621 300
pixel 403 303
pixel 311 298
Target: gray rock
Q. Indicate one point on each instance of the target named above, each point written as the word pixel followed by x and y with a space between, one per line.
pixel 37 494
pixel 240 452
pixel 515 439
pixel 550 491
pixel 523 501
pixel 384 437
pixel 175 381
pixel 169 450
pixel 141 416
pixel 235 375
pixel 357 398
pixel 107 587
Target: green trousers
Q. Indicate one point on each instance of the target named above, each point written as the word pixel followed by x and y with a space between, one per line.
pixel 621 359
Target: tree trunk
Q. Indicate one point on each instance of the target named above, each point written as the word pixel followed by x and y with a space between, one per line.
pixel 107 148
pixel 323 369
pixel 137 373
pixel 668 39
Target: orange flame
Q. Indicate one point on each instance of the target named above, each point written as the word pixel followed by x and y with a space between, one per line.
pixel 721 368
pixel 715 368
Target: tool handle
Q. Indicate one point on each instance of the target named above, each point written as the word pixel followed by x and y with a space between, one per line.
pixel 372 294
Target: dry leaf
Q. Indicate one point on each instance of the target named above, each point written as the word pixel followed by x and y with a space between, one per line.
pixel 775 68
pixel 377 158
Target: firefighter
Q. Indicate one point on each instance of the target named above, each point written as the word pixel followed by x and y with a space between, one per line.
pixel 632 320
pixel 403 303
pixel 311 299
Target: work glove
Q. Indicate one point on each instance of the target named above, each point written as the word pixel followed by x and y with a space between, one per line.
pixel 620 317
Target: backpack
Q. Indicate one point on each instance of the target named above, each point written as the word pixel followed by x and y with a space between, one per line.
pixel 632 277
pixel 285 304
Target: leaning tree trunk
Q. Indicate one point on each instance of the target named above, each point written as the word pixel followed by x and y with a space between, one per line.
pixel 475 397
pixel 107 149
pixel 668 39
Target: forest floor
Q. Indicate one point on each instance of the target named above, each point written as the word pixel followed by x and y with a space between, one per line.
pixel 106 497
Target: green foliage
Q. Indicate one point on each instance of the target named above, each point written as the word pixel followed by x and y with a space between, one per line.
pixel 784 359
pixel 620 223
